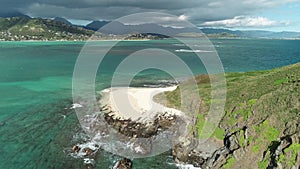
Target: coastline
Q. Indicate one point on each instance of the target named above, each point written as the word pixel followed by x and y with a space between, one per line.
pixel 131 114
pixel 87 40
pixel 105 40
pixel 135 103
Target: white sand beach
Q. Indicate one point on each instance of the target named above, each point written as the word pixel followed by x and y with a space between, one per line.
pixel 135 103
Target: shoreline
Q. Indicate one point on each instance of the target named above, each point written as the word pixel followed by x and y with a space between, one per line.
pixel 135 103
pixel 104 40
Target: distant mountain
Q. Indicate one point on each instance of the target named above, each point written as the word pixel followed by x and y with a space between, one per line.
pixel 219 31
pixel 269 34
pixel 119 28
pixel 63 20
pixel 96 25
pixel 250 33
pixel 9 14
pixel 23 28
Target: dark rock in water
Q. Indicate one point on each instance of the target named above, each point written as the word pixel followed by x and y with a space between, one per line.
pixel 87 151
pixel 2 124
pixel 76 149
pixel 125 163
pixel 89 163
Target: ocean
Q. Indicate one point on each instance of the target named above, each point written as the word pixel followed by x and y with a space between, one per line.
pixel 37 126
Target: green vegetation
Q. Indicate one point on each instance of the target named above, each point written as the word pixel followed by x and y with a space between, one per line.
pixel 263 164
pixel 252 102
pixel 280 81
pixel 219 133
pixel 261 102
pixel 292 150
pixel 23 28
pixel 173 98
pixel 250 140
pixel 294 111
pixel 241 139
pixel 229 163
pixel 265 133
pixel 200 123
pixel 256 148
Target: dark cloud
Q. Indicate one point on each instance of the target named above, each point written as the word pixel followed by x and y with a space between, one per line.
pixel 198 11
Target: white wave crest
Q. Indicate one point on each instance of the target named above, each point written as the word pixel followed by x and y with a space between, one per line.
pixel 193 51
pixel 187 166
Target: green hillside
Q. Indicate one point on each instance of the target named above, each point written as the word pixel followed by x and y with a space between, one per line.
pixel 22 28
pixel 260 126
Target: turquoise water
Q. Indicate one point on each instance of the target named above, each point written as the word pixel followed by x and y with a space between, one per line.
pixel 37 129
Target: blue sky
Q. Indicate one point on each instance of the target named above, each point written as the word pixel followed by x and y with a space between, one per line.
pixel 284 17
pixel 288 12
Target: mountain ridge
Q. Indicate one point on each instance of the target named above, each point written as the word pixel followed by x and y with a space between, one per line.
pixel 252 33
pixel 63 20
pixel 22 27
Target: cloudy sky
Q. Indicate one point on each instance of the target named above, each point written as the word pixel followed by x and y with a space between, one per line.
pixel 278 15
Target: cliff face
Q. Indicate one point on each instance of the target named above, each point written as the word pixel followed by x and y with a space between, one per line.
pixel 260 126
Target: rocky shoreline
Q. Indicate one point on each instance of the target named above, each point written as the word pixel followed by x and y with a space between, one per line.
pixel 137 129
pixel 188 150
pixel 134 132
pixel 185 150
pixel 252 134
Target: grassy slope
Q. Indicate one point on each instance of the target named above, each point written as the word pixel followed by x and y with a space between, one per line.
pixel 38 27
pixel 266 104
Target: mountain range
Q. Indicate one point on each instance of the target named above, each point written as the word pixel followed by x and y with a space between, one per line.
pixel 252 33
pixel 5 14
pixel 17 26
pixel 210 32
pixel 26 28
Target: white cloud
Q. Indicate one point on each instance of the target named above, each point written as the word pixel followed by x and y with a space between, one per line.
pixel 198 11
pixel 246 21
pixel 183 17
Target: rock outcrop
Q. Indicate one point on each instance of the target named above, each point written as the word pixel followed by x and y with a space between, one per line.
pixel 123 164
pixel 261 123
pixel 137 129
